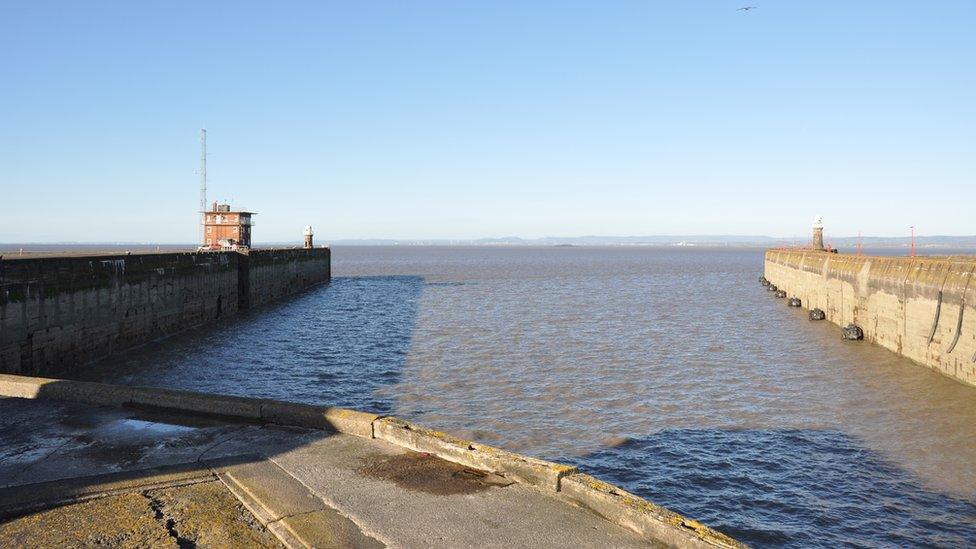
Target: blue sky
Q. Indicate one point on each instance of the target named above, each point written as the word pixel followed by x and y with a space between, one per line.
pixel 474 119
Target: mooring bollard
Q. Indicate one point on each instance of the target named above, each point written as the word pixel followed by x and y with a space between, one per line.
pixel 794 302
pixel 817 314
pixel 853 333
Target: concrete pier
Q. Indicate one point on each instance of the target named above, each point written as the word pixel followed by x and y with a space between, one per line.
pixel 308 477
pixel 923 308
pixel 58 313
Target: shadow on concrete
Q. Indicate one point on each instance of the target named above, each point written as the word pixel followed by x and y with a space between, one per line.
pixel 787 488
pixel 54 451
pixel 332 345
pixel 162 475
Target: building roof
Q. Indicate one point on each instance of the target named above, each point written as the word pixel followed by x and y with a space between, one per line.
pixel 217 207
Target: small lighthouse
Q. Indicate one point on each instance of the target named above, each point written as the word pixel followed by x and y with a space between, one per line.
pixel 818 233
pixel 308 237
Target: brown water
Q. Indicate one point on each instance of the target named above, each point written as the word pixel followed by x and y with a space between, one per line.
pixel 668 371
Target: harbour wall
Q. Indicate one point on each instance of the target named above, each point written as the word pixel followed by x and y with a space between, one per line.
pixel 59 313
pixel 921 308
pixel 273 274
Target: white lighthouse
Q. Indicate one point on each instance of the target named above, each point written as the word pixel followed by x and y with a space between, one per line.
pixel 818 233
pixel 308 237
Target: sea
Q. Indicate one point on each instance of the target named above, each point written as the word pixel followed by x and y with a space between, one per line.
pixel 666 370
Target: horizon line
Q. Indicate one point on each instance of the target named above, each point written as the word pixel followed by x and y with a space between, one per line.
pixel 740 237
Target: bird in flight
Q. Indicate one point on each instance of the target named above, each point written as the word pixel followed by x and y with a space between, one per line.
pixel 746 8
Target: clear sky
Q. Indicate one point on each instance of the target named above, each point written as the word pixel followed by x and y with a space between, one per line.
pixel 462 119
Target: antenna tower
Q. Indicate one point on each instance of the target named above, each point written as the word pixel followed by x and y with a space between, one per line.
pixel 203 171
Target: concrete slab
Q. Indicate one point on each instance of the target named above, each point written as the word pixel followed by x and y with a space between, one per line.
pixel 207 515
pixel 288 508
pixel 126 520
pixel 340 470
pixel 274 492
pixel 197 515
pixel 327 529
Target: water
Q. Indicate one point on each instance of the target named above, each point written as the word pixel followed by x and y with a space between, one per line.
pixel 668 371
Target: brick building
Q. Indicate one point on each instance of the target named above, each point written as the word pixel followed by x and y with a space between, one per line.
pixel 226 229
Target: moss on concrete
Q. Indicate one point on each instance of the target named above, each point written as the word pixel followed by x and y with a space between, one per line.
pixel 209 516
pixel 122 521
pixel 202 515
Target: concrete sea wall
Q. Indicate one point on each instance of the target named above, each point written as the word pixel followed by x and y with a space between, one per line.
pixel 58 313
pixel 922 308
pixel 273 274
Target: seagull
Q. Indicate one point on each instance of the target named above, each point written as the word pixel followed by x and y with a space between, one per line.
pixel 746 8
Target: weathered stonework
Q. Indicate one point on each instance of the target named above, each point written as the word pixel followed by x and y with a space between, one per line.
pixel 57 313
pixel 911 306
pixel 278 273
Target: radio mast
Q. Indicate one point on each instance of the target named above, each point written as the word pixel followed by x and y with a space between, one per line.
pixel 203 172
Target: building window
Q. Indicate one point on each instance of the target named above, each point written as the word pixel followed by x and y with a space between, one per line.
pixel 209 241
pixel 209 230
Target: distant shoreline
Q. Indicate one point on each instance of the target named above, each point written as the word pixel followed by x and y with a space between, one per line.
pixel 882 246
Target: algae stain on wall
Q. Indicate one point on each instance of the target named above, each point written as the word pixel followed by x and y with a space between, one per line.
pixel 57 313
pixel 920 308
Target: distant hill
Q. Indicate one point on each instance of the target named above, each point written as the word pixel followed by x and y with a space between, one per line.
pixel 746 241
pixel 674 240
pixel 655 240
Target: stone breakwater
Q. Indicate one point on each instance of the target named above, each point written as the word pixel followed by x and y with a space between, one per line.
pixel 921 308
pixel 58 313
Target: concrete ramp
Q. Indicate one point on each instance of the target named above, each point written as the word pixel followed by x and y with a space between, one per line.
pixel 308 476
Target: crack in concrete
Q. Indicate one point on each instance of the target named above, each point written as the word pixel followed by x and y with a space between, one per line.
pixel 168 522
pixel 231 436
pixel 28 467
pixel 9 455
pixel 279 519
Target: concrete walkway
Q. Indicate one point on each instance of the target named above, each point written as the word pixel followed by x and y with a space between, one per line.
pixel 307 487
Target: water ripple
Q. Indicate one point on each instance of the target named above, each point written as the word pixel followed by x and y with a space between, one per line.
pixel 667 371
